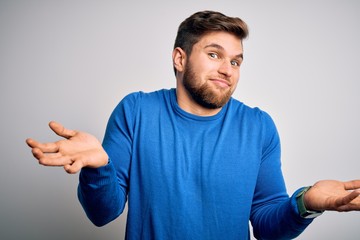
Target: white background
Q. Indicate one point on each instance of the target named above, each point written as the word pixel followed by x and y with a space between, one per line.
pixel 73 61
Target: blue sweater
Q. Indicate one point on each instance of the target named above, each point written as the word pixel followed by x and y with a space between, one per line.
pixel 190 177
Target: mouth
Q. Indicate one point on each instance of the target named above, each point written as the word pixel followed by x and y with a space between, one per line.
pixel 221 82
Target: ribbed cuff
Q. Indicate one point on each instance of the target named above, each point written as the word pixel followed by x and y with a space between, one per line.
pixel 97 176
pixel 295 208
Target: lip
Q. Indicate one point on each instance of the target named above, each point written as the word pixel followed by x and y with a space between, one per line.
pixel 221 82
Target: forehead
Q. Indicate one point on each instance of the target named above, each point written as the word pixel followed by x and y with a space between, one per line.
pixel 229 42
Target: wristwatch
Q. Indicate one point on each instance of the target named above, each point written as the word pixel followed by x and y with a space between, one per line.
pixel 305 213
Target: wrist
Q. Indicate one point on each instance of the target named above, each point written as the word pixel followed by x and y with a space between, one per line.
pixel 301 204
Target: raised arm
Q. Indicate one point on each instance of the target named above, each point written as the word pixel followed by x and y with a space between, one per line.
pixel 77 150
pixel 99 192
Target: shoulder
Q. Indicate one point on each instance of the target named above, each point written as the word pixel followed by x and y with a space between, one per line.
pixel 253 118
pixel 240 109
pixel 143 97
pixel 134 102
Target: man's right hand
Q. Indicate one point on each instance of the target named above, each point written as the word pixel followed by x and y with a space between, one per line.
pixel 77 150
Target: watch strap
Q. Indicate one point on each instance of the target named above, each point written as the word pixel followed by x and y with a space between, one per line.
pixel 305 213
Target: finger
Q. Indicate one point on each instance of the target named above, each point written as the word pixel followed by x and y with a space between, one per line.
pixel 347 199
pixel 352 185
pixel 58 161
pixel 74 167
pixel 44 147
pixel 61 130
pixel 37 153
pixel 30 142
pixel 354 205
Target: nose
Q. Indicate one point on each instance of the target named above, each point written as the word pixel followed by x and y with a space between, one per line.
pixel 225 68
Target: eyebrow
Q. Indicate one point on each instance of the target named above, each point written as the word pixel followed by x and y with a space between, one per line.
pixel 215 45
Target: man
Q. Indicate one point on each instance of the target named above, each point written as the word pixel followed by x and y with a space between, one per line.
pixel 193 162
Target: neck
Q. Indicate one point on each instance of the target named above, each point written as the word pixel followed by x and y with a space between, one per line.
pixel 187 103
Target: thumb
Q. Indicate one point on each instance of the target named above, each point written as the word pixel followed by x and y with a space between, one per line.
pixel 61 130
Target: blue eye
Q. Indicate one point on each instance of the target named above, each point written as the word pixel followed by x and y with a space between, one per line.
pixel 235 63
pixel 213 55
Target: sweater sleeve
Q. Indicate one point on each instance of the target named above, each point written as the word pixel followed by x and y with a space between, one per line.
pixel 103 191
pixel 274 214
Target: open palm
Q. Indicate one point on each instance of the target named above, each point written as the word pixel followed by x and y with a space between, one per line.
pixel 77 150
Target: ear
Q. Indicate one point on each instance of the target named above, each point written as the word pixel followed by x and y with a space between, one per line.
pixel 179 59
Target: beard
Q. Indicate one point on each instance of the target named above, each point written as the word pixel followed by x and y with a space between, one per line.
pixel 203 94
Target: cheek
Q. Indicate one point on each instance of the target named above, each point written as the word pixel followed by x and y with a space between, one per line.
pixel 202 71
pixel 236 75
pixel 204 65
